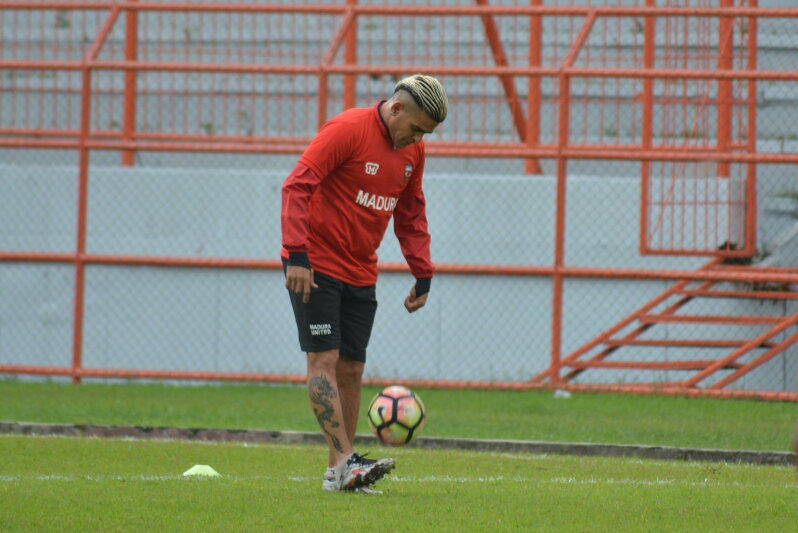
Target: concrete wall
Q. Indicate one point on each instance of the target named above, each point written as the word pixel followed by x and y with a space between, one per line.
pixel 474 327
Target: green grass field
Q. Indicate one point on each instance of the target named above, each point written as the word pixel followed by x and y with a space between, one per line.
pixel 533 415
pixel 69 484
pixel 73 484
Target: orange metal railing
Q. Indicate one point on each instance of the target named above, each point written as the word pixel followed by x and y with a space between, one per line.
pixel 671 154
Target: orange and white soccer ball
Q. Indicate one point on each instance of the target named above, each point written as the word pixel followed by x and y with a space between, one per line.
pixel 396 415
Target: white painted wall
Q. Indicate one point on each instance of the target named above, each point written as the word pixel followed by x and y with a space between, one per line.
pixel 474 327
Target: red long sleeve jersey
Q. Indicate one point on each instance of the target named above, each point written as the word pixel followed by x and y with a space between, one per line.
pixel 337 201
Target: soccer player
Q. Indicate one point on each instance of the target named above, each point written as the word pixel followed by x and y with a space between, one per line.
pixel 364 166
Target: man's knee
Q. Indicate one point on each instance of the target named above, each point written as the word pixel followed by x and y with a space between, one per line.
pixel 323 361
pixel 350 369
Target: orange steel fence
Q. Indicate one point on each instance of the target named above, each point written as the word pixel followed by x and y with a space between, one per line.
pixel 672 91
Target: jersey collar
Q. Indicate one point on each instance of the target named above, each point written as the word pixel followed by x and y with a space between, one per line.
pixel 383 126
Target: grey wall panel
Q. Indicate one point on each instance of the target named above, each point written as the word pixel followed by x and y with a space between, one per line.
pixel 38 208
pixel 189 319
pixel 36 314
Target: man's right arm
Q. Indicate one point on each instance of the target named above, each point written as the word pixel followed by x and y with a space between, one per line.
pixel 298 187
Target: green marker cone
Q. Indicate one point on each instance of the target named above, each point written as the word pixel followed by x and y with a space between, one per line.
pixel 201 470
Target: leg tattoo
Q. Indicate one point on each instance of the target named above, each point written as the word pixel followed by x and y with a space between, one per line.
pixel 320 391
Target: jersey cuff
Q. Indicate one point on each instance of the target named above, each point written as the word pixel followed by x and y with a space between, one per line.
pixel 299 259
pixel 422 286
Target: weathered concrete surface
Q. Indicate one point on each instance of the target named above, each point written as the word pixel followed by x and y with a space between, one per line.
pixel 485 445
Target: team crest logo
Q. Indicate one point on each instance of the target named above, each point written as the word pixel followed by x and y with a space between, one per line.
pixel 408 172
pixel 371 168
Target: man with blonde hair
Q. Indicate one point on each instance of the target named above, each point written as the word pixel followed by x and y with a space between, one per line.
pixel 363 167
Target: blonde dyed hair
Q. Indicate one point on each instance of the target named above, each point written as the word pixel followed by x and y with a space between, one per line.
pixel 428 93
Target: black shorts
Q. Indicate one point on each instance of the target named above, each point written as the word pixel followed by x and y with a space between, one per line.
pixel 338 316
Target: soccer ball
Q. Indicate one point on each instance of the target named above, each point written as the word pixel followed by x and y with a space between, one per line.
pixel 396 415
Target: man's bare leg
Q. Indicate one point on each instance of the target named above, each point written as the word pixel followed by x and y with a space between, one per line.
pixel 325 401
pixel 350 377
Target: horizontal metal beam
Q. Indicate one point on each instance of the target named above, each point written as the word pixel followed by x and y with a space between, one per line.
pixel 682 343
pixel 712 319
pixel 416 11
pixel 753 294
pixel 749 275
pixel 648 365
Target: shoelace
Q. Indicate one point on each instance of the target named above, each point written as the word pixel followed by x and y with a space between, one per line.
pixel 361 459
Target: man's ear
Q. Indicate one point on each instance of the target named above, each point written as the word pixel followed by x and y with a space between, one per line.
pixel 396 108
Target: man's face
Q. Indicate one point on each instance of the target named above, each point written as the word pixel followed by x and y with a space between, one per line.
pixel 409 125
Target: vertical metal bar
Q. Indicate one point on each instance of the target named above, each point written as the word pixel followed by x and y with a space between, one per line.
pixel 750 169
pixel 532 165
pixel 83 194
pixel 322 115
pixel 350 58
pixel 80 248
pixel 129 120
pixel 649 47
pixel 563 135
pixel 725 62
pixel 563 132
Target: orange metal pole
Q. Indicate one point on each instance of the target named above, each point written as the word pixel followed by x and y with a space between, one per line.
pixel 563 135
pixel 83 193
pixel 464 149
pixel 350 58
pixel 322 100
pixel 732 320
pixel 421 10
pixel 664 389
pixel 500 71
pixel 432 10
pixel 23 64
pixel 648 365
pixel 500 57
pixel 750 169
pixel 532 165
pixel 725 62
pixel 80 268
pixel 559 232
pixel 129 116
pixel 670 390
pixel 33 143
pixel 717 274
pixel 692 74
pixel 682 343
pixel 749 295
pixel 649 47
pixel 151 374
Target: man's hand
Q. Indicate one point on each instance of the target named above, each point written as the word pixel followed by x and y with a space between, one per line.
pixel 300 280
pixel 412 303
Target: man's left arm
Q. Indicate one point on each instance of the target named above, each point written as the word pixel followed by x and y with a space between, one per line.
pixel 410 227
